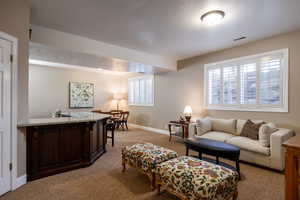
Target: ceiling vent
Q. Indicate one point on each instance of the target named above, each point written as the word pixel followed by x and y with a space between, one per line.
pixel 240 38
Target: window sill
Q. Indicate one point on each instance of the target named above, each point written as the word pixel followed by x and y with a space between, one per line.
pixel 278 110
pixel 142 105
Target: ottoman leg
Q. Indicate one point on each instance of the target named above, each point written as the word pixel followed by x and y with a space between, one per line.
pixel 200 155
pixel 187 151
pixel 158 188
pixel 235 195
pixel 153 182
pixel 124 166
pixel 238 168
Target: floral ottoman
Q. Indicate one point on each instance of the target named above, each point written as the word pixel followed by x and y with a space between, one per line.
pixel 145 157
pixel 193 179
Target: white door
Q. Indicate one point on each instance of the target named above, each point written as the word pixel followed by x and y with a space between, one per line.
pixel 5 115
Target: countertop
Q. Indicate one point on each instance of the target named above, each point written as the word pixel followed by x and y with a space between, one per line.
pixel 293 142
pixel 75 117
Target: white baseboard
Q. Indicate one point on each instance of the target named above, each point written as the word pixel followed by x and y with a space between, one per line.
pixel 21 180
pixel 146 128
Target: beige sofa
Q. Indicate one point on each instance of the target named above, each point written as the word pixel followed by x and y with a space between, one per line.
pixel 266 151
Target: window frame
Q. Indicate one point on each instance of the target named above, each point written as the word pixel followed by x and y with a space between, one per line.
pixel 144 77
pixel 283 107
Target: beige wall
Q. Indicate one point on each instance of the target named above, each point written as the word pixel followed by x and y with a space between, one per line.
pixel 174 90
pixel 14 20
pixel 49 89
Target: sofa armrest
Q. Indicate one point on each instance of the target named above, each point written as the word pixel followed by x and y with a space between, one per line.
pixel 277 150
pixel 192 129
pixel 196 129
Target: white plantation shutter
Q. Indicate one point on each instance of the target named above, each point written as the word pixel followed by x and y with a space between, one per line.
pixel 130 92
pixel 149 91
pixel 214 86
pixel 248 83
pixel 140 91
pixel 252 83
pixel 230 85
pixel 136 92
pixel 270 81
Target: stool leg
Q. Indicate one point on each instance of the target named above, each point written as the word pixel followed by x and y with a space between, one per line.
pixel 123 126
pixel 217 159
pixel 112 137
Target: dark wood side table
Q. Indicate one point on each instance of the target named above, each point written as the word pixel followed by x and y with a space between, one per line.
pixel 292 169
pixel 185 129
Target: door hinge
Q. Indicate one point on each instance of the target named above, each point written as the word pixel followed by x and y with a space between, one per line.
pixel 10 166
pixel 11 58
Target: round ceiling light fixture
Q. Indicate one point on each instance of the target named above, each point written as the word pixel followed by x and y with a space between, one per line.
pixel 213 17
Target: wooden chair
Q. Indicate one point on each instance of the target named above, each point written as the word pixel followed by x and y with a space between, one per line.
pixel 110 126
pixel 112 111
pixel 116 113
pixel 123 120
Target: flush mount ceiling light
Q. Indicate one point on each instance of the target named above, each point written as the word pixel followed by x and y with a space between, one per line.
pixel 213 17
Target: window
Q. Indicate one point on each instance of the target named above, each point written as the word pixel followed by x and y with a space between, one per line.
pixel 252 83
pixel 141 91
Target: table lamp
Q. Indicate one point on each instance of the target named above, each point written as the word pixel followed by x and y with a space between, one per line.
pixel 118 97
pixel 188 113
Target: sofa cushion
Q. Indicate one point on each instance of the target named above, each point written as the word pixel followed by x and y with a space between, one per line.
pixel 240 125
pixel 265 132
pixel 203 126
pixel 215 135
pixel 249 145
pixel 224 125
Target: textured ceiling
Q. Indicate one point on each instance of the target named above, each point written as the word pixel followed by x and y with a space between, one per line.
pixel 168 27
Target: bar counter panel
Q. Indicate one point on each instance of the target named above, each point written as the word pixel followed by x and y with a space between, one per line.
pixel 55 148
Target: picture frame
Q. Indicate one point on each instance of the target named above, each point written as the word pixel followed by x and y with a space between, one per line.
pixel 81 95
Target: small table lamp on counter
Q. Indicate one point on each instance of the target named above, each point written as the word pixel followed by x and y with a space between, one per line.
pixel 118 97
pixel 188 113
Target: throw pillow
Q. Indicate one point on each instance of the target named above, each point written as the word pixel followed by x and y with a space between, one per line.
pixel 240 125
pixel 203 126
pixel 251 129
pixel 265 132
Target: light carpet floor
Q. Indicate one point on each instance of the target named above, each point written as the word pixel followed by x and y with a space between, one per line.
pixel 105 181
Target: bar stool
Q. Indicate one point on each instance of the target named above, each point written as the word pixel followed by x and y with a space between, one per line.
pixel 110 126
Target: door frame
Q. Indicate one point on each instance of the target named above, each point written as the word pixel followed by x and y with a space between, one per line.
pixel 14 106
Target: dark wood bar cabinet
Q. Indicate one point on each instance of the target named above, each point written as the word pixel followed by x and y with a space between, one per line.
pixel 56 148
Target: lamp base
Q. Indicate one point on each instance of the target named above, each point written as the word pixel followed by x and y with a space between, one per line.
pixel 188 118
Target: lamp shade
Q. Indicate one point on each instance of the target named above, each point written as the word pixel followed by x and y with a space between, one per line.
pixel 188 111
pixel 118 96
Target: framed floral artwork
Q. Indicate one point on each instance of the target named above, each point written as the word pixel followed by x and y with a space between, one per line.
pixel 81 95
